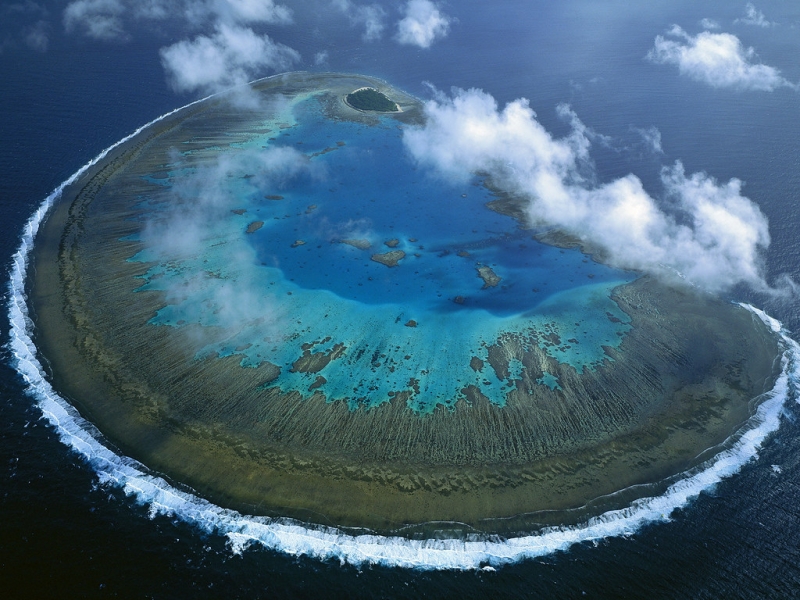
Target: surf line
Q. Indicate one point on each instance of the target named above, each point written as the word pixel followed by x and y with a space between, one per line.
pixel 296 538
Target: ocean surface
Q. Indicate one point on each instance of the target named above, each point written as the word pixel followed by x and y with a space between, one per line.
pixel 63 534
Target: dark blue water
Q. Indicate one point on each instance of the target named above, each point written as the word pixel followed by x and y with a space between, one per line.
pixel 61 536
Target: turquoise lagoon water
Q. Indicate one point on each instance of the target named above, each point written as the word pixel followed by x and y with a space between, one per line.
pixel 306 281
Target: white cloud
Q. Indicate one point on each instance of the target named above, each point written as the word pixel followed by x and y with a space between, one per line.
pixel 249 11
pixel 199 199
pixel 152 9
pixel 718 59
pixel 709 24
pixel 25 22
pixel 106 19
pixel 712 236
pixel 754 16
pixel 371 16
pixel 98 19
pixel 321 58
pixel 231 56
pixel 422 25
pixel 651 138
pixel 198 202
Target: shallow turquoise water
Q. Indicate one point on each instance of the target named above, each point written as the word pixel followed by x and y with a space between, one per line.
pixel 293 285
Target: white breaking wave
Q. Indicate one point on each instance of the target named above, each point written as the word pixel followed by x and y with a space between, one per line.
pixel 295 538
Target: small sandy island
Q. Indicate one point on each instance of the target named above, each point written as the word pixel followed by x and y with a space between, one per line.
pixel 390 259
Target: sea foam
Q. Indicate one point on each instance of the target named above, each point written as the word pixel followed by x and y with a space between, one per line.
pixel 293 537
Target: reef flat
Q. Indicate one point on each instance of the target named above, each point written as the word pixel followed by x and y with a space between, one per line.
pixel 282 370
pixel 390 259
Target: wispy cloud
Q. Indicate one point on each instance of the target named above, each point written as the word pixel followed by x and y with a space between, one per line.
pixel 107 20
pixel 321 58
pixel 651 137
pixel 371 17
pixel 249 11
pixel 27 7
pixel 154 9
pixel 38 36
pixel 198 210
pixel 231 56
pixel 98 19
pixel 718 59
pixel 753 16
pixel 422 24
pixel 710 235
pixel 26 22
pixel 202 197
pixel 709 24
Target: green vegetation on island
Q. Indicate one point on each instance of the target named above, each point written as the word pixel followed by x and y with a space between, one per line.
pixel 371 99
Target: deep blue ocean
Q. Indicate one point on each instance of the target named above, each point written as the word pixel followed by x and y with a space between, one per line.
pixel 64 536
